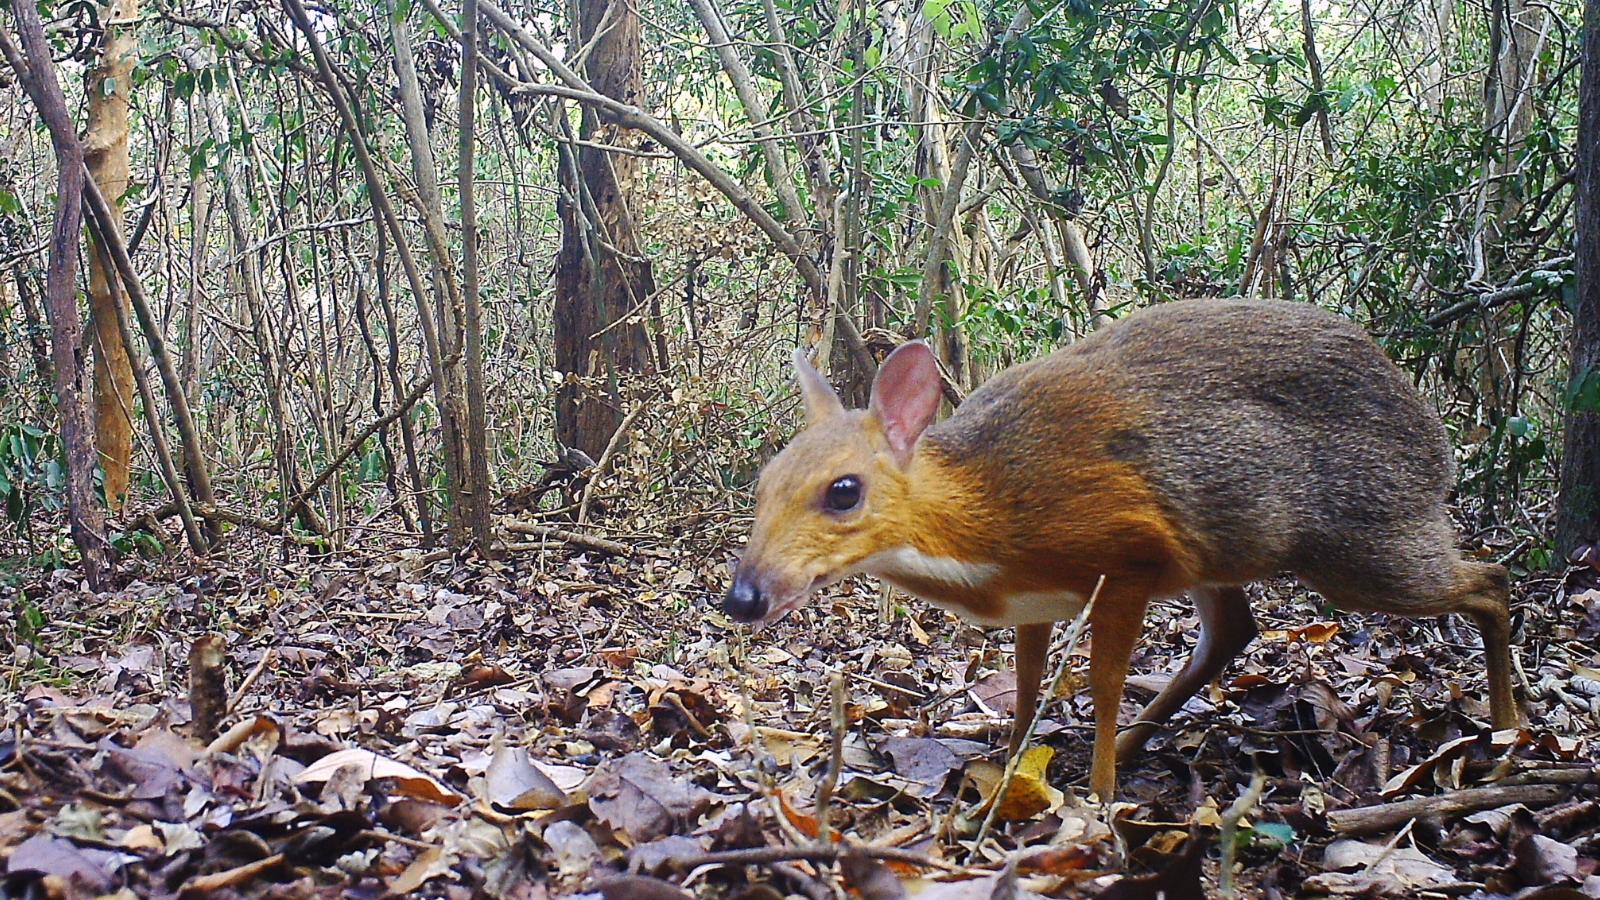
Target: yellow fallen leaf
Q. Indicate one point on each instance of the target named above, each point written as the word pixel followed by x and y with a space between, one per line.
pixel 1028 794
pixel 1207 815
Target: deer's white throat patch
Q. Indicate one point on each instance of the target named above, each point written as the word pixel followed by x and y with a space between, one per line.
pixel 911 563
pixel 1024 608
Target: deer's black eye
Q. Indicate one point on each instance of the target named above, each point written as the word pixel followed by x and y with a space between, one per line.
pixel 844 494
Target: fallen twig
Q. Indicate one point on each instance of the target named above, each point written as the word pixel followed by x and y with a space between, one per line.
pixel 550 535
pixel 1370 819
pixel 756 856
pixel 1228 836
pixel 374 834
pixel 235 517
pixel 216 881
pixel 835 758
pixel 234 737
pixel 250 680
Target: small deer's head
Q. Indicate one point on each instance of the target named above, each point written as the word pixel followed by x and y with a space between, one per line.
pixel 841 491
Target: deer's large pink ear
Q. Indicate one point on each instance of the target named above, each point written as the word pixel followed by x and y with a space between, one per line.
pixel 820 399
pixel 905 397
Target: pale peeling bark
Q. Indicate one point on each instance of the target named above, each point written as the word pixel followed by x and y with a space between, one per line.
pixel 1436 31
pixel 106 153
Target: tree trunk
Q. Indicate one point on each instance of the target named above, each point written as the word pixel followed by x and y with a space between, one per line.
pixel 602 281
pixel 86 518
pixel 475 491
pixel 1518 30
pixel 451 390
pixel 107 86
pixel 1578 511
pixel 115 256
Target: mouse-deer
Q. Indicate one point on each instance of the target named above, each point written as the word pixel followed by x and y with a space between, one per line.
pixel 1193 447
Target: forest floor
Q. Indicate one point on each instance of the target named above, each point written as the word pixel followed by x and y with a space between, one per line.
pixel 562 723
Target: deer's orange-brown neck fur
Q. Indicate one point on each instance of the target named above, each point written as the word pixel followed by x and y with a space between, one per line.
pixel 973 542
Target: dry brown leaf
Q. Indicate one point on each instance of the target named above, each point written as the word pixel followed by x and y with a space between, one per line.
pixel 142 837
pixel 575 851
pixel 996 694
pixel 643 798
pixel 1383 870
pixel 1314 633
pixel 512 782
pixel 640 887
pixel 410 781
pixel 90 867
pixel 1541 860
pixel 429 864
pixel 871 879
pixel 1408 778
pixel 925 762
pixel 805 823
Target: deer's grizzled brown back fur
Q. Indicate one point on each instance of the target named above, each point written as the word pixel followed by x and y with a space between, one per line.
pixel 1276 436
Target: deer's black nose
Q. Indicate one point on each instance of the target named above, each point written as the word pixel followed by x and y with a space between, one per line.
pixel 744 601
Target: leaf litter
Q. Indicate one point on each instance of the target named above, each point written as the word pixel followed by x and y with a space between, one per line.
pixel 563 724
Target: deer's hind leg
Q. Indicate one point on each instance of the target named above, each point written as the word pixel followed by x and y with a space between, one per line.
pixel 1226 628
pixel 1483 592
pixel 1436 583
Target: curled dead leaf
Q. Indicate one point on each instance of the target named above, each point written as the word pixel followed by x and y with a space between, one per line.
pixel 1314 633
pixel 512 782
pixel 408 780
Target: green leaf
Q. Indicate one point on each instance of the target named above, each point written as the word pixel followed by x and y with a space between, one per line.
pixel 1276 835
pixel 1314 104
